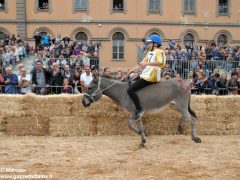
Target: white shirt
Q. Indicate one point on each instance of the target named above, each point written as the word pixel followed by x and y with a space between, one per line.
pixel 87 79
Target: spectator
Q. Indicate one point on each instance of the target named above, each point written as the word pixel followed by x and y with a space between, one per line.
pixel 1 81
pixel 67 88
pixel 119 75
pixel 67 73
pixel 76 82
pixel 86 78
pixel 200 84
pixel 56 79
pixel 107 72
pixel 233 84
pixel 40 78
pixel 37 39
pixel 171 44
pixel 215 84
pixel 24 82
pixel 10 81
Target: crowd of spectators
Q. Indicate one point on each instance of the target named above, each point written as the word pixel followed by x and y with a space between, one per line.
pixel 65 66
pixel 13 50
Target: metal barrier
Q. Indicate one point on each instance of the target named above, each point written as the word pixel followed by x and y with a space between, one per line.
pixel 184 68
pixel 49 90
pixel 41 90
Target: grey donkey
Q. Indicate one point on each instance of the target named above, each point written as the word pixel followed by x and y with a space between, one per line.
pixel 153 97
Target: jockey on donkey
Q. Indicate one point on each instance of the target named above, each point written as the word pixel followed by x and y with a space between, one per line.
pixel 148 93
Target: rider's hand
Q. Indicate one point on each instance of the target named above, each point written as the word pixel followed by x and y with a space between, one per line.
pixel 143 64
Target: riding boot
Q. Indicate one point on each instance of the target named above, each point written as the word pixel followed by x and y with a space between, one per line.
pixel 138 115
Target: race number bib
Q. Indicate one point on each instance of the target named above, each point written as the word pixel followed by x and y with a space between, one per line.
pixel 151 56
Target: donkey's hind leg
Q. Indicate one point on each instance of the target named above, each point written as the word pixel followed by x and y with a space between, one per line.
pixel 192 121
pixel 180 125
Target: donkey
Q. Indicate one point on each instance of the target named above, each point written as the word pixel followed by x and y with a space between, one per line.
pixel 153 97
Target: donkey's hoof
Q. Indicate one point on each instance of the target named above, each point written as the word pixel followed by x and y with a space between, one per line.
pixel 197 140
pixel 180 129
pixel 141 145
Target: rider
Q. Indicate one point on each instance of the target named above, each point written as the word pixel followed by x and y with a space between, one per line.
pixel 152 64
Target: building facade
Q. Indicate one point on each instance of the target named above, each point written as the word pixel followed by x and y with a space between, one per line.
pixel 120 25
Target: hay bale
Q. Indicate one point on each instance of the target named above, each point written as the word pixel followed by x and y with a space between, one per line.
pixel 27 125
pixel 64 115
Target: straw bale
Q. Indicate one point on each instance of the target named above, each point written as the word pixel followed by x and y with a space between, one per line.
pixel 27 125
pixel 64 115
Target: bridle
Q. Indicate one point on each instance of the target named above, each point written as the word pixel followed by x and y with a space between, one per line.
pixel 98 90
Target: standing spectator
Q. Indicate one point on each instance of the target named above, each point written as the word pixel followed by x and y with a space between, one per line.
pixel 86 78
pixel 45 40
pixel 107 72
pixel 171 44
pixel 67 73
pixel 56 79
pixel 13 38
pixel 40 78
pixel 118 75
pixel 37 39
pixel 10 81
pixel 7 39
pixel 24 82
pixel 76 82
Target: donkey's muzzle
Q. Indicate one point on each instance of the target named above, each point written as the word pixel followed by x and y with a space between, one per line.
pixel 86 102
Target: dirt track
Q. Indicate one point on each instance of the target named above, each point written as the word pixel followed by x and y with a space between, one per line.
pixel 118 157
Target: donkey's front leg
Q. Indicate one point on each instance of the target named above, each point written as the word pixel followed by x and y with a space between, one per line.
pixel 141 132
pixel 130 118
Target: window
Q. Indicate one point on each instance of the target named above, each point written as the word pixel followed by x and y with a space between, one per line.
pixel 118 5
pixel 2 5
pixel 2 35
pixel 223 7
pixel 189 6
pixel 154 5
pixel 222 40
pixel 189 40
pixel 81 36
pixel 43 4
pixel 81 5
pixel 118 46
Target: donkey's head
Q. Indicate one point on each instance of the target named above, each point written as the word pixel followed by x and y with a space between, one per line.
pixel 93 93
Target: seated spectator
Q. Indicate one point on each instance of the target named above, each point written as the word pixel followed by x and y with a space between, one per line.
pixel 215 84
pixel 200 84
pixel 10 82
pixel 233 84
pixel 86 78
pixel 24 81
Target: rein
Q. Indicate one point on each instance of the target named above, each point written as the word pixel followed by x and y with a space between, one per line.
pixel 95 93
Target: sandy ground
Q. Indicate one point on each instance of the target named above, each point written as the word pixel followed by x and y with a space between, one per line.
pixel 118 157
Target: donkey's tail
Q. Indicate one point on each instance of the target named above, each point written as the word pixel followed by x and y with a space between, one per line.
pixel 190 110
